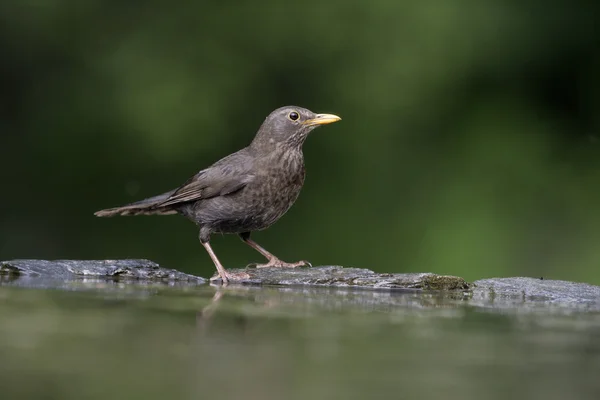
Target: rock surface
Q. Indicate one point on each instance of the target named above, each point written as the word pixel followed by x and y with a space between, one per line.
pixel 517 294
pixel 106 269
pixel 532 292
pixel 335 276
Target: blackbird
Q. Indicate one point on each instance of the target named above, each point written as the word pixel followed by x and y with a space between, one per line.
pixel 246 191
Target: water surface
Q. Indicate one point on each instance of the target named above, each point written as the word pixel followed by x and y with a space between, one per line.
pixel 100 340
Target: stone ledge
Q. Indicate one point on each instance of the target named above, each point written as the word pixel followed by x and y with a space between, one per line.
pixel 107 269
pixel 337 276
pixel 498 293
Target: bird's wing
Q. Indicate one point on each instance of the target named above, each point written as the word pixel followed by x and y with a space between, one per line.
pixel 227 176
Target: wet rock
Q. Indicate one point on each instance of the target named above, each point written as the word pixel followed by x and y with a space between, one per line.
pixel 498 294
pixel 535 293
pixel 66 270
pixel 335 276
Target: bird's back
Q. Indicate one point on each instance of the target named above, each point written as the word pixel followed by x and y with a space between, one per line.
pixel 277 179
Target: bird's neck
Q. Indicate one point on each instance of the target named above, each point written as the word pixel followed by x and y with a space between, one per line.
pixel 279 155
pixel 291 159
pixel 265 146
pixel 295 141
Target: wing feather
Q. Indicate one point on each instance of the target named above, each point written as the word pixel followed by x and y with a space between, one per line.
pixel 225 177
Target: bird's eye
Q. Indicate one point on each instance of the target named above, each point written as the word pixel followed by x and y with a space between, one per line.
pixel 293 116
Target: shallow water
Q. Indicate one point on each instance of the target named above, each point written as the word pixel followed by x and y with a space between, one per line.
pixel 99 340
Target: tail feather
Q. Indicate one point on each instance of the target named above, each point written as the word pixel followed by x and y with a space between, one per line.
pixel 149 206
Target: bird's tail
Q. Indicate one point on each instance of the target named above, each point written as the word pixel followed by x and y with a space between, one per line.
pixel 149 206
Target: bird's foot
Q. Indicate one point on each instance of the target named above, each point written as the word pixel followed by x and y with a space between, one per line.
pixel 277 263
pixel 230 277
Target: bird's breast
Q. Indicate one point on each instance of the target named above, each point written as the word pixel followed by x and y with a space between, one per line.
pixel 276 185
pixel 274 190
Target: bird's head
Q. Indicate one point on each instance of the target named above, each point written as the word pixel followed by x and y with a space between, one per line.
pixel 289 126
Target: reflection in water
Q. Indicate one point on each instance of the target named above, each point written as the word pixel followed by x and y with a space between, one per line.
pixel 304 302
pixel 157 342
pixel 204 316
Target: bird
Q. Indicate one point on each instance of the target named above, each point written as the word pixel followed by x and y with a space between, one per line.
pixel 246 191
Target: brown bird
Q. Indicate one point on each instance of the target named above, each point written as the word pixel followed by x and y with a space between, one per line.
pixel 246 191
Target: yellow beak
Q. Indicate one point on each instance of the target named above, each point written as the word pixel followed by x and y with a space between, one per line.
pixel 322 119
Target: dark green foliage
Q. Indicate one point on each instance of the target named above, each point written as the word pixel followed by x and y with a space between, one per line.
pixel 469 143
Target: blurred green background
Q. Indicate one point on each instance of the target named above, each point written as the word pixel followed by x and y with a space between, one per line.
pixel 469 143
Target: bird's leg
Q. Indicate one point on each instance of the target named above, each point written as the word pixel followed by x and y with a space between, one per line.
pixel 273 261
pixel 225 276
pixel 220 269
